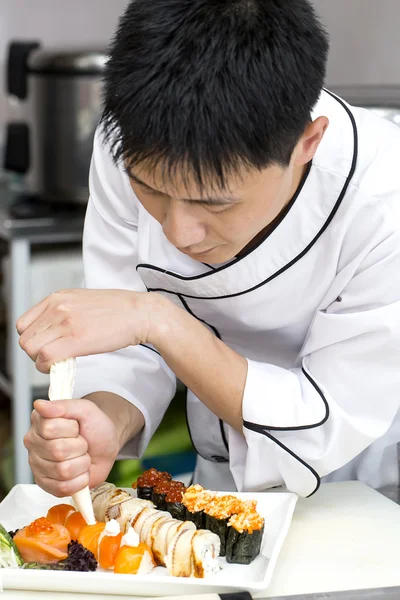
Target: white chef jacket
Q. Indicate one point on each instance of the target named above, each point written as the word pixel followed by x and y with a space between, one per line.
pixel 314 308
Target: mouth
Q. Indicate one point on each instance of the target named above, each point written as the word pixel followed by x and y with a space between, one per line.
pixel 199 254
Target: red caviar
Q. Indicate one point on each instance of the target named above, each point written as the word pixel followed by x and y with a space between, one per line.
pixel 39 526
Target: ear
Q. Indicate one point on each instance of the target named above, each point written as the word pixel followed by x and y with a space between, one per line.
pixel 310 140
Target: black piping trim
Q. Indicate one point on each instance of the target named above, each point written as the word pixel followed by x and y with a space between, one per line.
pixel 277 221
pixel 298 257
pixel 264 430
pixel 188 428
pixel 253 427
pixel 188 309
pixel 148 348
pixel 218 335
pixel 221 426
pixel 300 427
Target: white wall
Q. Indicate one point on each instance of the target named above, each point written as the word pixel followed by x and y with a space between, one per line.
pixel 365 41
pixel 57 23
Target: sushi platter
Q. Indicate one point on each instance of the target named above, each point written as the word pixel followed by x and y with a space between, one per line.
pixel 219 554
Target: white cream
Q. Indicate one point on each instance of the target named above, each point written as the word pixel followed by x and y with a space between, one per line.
pixel 62 381
pixel 130 538
pixel 146 564
pixel 111 529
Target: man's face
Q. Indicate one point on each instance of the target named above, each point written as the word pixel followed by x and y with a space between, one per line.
pixel 214 226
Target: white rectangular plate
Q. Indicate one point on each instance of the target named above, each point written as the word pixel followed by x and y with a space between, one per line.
pixel 27 502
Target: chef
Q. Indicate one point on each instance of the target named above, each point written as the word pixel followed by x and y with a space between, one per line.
pixel 243 236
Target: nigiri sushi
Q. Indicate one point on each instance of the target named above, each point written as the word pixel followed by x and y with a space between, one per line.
pixel 136 560
pixel 133 557
pixel 89 537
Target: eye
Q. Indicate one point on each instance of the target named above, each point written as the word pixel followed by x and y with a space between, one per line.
pixel 217 208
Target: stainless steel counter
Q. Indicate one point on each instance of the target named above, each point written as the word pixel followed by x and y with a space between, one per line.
pixel 41 230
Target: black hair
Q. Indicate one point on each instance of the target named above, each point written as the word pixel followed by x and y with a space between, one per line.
pixel 209 86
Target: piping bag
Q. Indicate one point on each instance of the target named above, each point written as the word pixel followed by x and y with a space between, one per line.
pixel 62 381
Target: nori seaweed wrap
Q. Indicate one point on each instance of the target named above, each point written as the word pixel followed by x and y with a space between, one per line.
pixel 147 481
pixel 159 493
pixel 196 499
pixel 173 501
pixel 245 534
pixel 217 515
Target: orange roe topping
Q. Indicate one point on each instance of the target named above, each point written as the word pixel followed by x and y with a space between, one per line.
pixel 248 521
pixel 223 507
pixel 196 498
pixel 40 526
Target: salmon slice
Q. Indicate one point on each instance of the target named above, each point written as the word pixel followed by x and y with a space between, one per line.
pixel 89 537
pixel 136 560
pixel 75 523
pixel 108 549
pixel 60 513
pixel 43 542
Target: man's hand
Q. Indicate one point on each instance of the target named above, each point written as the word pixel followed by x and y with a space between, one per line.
pixel 82 322
pixel 71 444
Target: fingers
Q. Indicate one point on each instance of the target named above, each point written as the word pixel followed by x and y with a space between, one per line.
pixel 62 471
pixel 34 342
pixel 43 325
pixel 54 429
pixel 65 409
pixel 60 464
pixel 59 349
pixel 31 315
pixel 57 450
pixel 61 489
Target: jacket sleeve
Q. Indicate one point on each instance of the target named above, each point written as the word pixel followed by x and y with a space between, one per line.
pixel 110 243
pixel 304 423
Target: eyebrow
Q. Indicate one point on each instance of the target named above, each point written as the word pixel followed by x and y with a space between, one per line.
pixel 215 201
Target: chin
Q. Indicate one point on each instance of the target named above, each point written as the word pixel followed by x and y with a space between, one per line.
pixel 217 258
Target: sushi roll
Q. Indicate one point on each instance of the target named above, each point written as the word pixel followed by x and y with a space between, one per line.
pixel 173 502
pixel 245 534
pixel 100 497
pixel 193 554
pixel 163 534
pixel 217 515
pixel 146 482
pixel 124 509
pixel 195 500
pixel 205 551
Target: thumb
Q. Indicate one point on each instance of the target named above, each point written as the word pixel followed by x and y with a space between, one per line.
pixel 63 409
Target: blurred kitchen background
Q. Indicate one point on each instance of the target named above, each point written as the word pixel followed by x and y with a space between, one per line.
pixel 52 54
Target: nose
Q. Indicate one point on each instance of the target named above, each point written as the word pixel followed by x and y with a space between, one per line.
pixel 181 227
